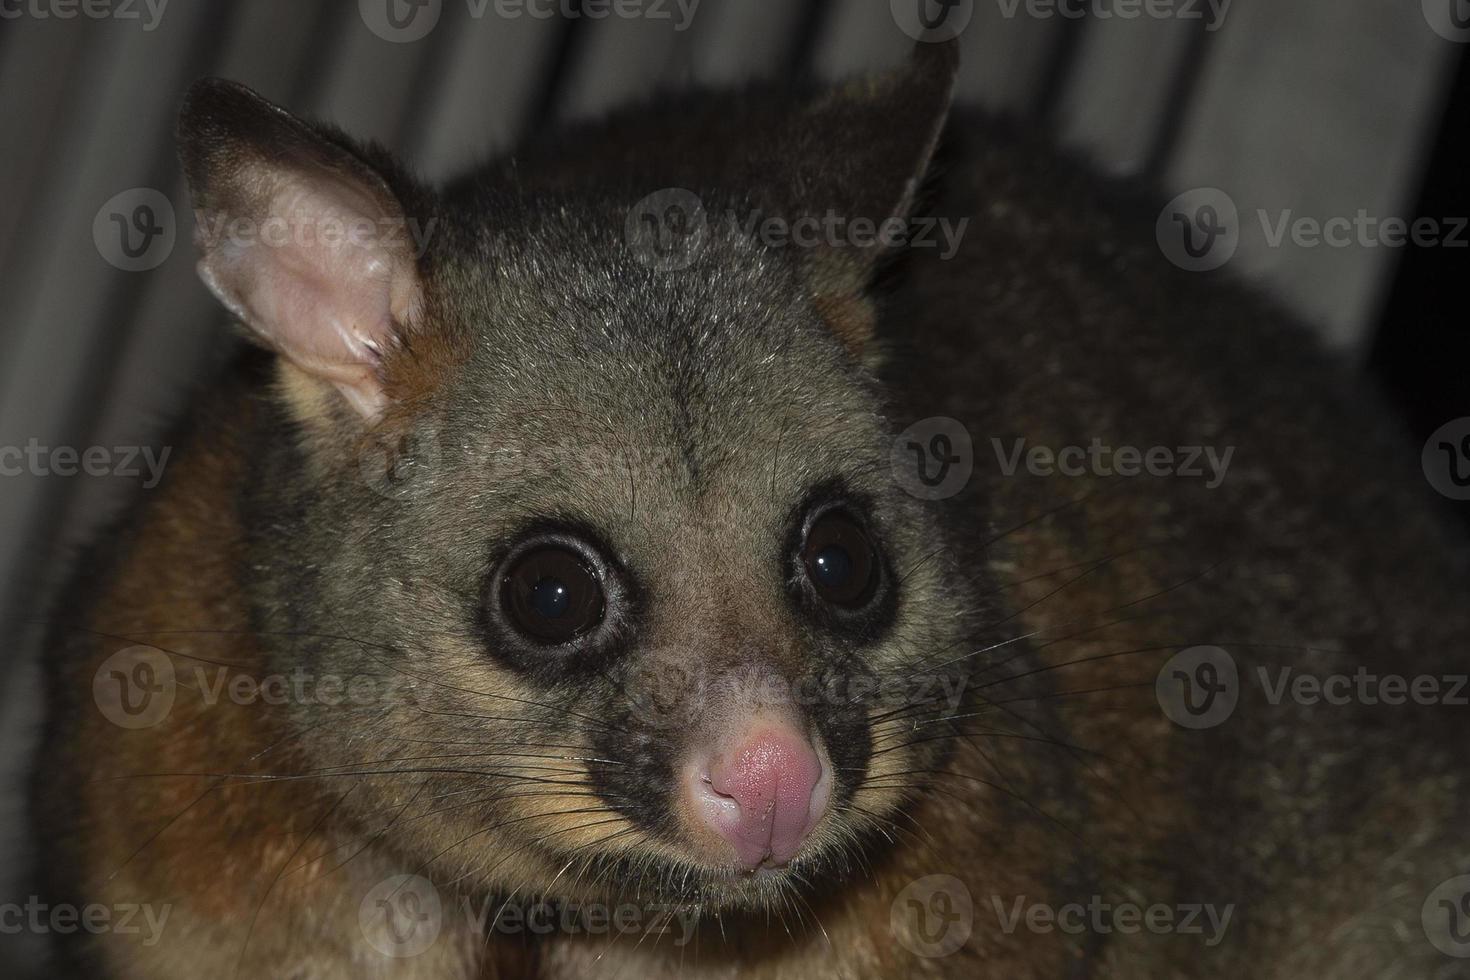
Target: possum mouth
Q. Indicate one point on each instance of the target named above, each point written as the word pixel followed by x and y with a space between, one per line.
pixel 650 877
pixel 659 880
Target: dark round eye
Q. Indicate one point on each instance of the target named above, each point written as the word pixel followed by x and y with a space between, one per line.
pixel 839 560
pixel 552 595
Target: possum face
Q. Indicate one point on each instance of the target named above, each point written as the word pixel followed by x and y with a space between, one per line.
pixel 626 536
pixel 684 581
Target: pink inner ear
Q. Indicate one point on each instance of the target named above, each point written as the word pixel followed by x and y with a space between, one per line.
pixel 325 276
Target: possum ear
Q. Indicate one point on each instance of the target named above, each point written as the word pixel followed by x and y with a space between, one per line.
pixel 861 153
pixel 302 239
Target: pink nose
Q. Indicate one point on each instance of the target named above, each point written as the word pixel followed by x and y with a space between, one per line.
pixel 764 794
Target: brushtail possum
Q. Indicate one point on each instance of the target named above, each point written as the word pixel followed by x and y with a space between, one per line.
pixel 645 557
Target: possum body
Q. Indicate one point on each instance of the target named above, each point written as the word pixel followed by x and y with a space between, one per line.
pixel 623 538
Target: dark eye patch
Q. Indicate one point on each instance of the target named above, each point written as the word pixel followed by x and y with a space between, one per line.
pixel 552 595
pixel 558 603
pixel 840 575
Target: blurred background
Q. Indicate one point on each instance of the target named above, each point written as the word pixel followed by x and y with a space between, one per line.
pixel 1317 109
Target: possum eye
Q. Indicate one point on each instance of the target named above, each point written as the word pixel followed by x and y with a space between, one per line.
pixel 552 595
pixel 840 560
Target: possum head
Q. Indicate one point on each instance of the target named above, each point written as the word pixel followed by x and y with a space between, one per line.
pixel 622 531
